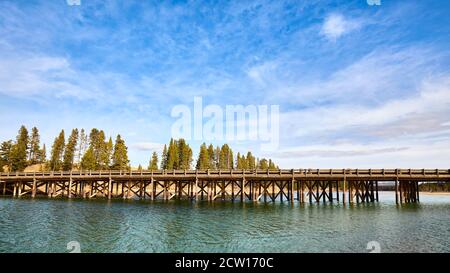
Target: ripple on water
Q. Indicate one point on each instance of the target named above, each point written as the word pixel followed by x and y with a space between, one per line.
pixel 43 225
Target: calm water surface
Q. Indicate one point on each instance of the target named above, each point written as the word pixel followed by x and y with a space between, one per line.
pixel 44 225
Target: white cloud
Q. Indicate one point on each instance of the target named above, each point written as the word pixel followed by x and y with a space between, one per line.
pixel 261 73
pixel 427 111
pixel 380 76
pixel 335 151
pixel 376 155
pixel 148 146
pixel 335 25
pixel 411 132
pixel 38 76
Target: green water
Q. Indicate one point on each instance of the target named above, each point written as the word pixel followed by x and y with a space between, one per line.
pixel 43 225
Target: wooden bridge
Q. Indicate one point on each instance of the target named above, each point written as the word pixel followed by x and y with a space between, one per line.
pixel 313 185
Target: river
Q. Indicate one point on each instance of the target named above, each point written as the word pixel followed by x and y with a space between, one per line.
pixel 48 225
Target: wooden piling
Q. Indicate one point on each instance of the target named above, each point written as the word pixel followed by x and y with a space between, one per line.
pixel 330 191
pixel 232 190
pixel 83 189
pixel 376 190
pixel 417 191
pixel 20 189
pixel 337 191
pixel 242 189
pixel 70 188
pixel 310 192
pixel 209 190
pixel 350 191
pixel 291 197
pixel 33 191
pixel 152 188
pixel 196 188
pixel 109 186
pixel 396 191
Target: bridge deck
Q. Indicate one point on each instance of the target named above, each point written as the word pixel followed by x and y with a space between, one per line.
pixel 318 185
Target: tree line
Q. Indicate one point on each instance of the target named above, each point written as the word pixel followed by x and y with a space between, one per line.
pixel 80 151
pixel 97 152
pixel 177 155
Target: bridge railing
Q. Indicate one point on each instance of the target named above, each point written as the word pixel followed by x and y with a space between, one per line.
pixel 310 172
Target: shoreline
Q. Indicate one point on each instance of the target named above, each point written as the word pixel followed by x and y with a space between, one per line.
pixel 435 193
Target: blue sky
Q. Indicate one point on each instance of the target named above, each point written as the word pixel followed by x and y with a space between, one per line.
pixel 357 85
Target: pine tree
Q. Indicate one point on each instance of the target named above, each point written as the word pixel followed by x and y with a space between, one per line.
pixel 272 165
pixel 5 151
pixel 82 145
pixel 203 158
pixel 263 164
pixel 139 167
pixel 120 155
pixel 172 155
pixel 42 155
pixel 212 157
pixel 153 164
pixel 69 153
pixel 216 157
pixel 107 154
pixel 99 149
pixel 99 146
pixel 57 152
pixel 185 155
pixel 19 151
pixel 239 163
pixel 164 158
pixel 245 162
pixel 88 160
pixel 226 157
pixel 251 161
pixel 34 147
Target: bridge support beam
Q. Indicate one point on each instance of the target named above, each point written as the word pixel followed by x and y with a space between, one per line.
pixel 363 191
pixel 409 192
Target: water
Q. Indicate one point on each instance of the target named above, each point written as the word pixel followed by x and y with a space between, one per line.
pixel 47 225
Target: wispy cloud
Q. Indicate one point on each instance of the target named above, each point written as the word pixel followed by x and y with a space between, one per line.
pixel 336 25
pixel 355 85
pixel 148 146
pixel 336 152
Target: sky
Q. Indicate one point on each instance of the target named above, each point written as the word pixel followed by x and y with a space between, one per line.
pixel 358 85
